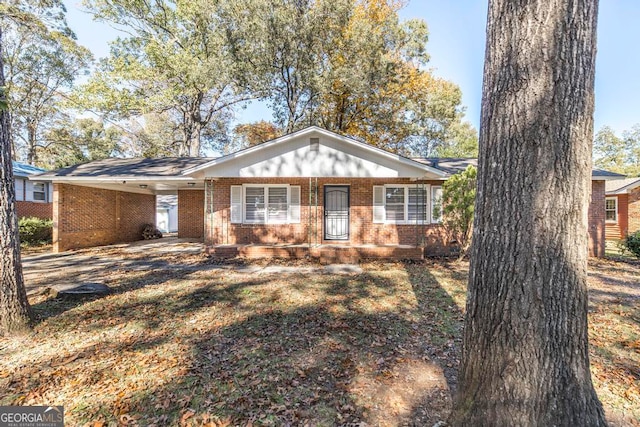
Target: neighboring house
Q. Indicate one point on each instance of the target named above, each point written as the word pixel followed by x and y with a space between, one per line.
pixel 310 193
pixel 167 213
pixel 622 208
pixel 33 198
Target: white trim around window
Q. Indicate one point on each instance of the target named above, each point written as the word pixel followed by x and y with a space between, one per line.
pixel 611 207
pixel 402 204
pixel 265 204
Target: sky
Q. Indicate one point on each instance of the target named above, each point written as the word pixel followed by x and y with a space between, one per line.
pixel 456 46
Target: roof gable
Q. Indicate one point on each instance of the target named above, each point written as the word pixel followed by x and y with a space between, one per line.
pixel 334 156
pixel 622 186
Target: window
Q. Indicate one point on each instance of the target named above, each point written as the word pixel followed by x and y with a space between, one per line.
pixel 611 209
pixel 19 189
pixel 265 204
pixel 39 192
pixel 401 204
pixel 436 203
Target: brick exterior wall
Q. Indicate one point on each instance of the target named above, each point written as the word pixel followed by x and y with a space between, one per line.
pixel 617 230
pixel 191 214
pixel 85 217
pixel 219 230
pixel 596 223
pixel 633 210
pixel 37 209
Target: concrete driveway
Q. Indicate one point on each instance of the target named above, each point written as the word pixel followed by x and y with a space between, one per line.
pixel 70 269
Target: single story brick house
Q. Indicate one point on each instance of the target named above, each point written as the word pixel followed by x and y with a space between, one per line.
pixel 622 208
pixel 33 198
pixel 310 193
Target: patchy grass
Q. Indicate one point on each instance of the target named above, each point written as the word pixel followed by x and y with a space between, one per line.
pixel 180 346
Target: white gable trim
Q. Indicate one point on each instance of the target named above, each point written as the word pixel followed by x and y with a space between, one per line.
pixel 626 188
pixel 314 129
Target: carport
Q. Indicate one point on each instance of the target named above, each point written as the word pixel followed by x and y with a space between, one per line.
pixel 109 201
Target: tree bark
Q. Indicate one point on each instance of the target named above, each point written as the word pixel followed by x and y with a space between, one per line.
pixel 525 355
pixel 15 313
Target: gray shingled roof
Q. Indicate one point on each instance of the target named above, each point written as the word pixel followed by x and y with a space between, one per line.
pixel 449 165
pixel 455 165
pixel 621 185
pixel 137 167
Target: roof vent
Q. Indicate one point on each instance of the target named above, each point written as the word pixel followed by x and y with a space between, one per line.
pixel 314 144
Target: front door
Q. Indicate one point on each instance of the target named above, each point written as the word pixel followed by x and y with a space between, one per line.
pixel 336 212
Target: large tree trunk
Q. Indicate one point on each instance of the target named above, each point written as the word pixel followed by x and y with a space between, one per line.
pixel 525 354
pixel 15 314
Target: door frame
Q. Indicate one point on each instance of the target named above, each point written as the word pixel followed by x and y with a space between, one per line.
pixel 324 207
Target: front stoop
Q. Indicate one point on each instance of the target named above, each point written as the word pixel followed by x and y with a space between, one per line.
pixel 325 254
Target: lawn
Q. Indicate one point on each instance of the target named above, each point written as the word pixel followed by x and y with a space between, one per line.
pixel 198 346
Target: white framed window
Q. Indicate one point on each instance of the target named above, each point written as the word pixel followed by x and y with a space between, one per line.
pixel 402 204
pixel 611 209
pixel 265 204
pixel 39 192
pixel 436 204
pixel 19 189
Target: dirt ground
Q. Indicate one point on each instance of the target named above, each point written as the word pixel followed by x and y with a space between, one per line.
pixel 186 340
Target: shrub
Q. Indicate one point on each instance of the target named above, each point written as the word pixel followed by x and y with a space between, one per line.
pixel 35 231
pixel 632 243
pixel 458 199
pixel 150 232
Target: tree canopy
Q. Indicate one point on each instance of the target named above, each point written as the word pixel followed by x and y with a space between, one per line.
pixel 350 66
pixel 619 154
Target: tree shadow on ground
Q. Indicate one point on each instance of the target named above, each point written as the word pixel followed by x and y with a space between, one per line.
pixel 379 347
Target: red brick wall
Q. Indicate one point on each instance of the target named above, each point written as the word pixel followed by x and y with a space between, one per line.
pixel 596 219
pixel 617 230
pixel 219 230
pixel 191 214
pixel 85 217
pixel 633 210
pixel 37 209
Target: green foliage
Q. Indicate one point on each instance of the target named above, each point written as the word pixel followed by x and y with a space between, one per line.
pixel 632 243
pixel 458 199
pixel 461 141
pixel 173 63
pixel 80 141
pixel 618 154
pixel 35 231
pixel 42 60
pixel 349 66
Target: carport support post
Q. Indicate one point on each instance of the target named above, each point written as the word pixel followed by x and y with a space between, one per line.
pixel 55 236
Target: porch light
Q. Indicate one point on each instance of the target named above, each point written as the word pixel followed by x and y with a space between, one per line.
pixel 143 185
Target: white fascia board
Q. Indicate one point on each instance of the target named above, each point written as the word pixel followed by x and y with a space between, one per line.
pixel 326 133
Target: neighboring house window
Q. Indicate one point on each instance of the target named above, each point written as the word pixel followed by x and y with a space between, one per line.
pixel 611 209
pixel 265 204
pixel 19 190
pixel 401 204
pixel 39 192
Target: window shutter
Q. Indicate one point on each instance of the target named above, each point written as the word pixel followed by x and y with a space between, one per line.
pixel 436 204
pixel 378 204
pixel 236 204
pixel 294 204
pixel 28 190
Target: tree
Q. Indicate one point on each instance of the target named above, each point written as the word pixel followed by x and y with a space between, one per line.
pixel 40 66
pixel 349 66
pixel 525 353
pixel 458 198
pixel 251 134
pixel 618 154
pixel 460 141
pixel 83 140
pixel 172 62
pixel 15 313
